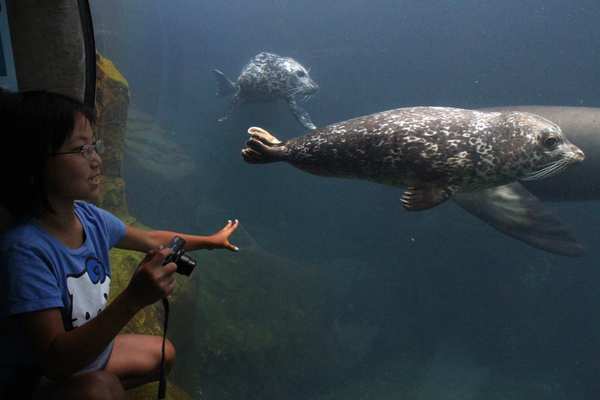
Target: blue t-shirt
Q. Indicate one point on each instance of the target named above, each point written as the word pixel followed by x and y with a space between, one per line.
pixel 39 272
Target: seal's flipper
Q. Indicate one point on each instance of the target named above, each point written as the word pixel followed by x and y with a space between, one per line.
pixel 301 115
pixel 513 210
pixel 264 136
pixel 233 104
pixel 423 198
pixel 224 86
pixel 262 147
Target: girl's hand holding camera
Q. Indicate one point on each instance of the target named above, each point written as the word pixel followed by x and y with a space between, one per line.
pixel 152 280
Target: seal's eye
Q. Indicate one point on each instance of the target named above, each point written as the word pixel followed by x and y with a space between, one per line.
pixel 301 73
pixel 550 142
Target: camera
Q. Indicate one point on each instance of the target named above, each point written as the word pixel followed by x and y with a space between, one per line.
pixel 185 264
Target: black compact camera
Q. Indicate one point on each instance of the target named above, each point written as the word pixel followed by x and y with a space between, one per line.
pixel 185 264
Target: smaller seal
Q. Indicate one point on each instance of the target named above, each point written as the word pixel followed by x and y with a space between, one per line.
pixel 269 77
pixel 434 151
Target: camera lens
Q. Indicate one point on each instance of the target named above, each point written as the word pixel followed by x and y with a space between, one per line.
pixel 185 265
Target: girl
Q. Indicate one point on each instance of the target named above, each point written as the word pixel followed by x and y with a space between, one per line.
pixel 61 336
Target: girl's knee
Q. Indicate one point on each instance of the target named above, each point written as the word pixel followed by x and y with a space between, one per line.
pixel 156 355
pixel 170 354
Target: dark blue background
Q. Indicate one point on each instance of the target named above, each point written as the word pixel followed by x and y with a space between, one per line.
pixel 442 272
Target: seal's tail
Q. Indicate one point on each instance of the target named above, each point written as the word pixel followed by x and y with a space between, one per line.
pixel 262 147
pixel 224 86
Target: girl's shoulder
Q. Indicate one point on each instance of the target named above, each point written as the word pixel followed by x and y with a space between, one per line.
pixel 86 207
pixel 105 221
pixel 92 212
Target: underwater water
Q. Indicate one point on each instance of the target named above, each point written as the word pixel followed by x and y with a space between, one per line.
pixel 338 292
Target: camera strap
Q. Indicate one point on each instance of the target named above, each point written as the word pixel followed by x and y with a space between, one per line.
pixel 162 382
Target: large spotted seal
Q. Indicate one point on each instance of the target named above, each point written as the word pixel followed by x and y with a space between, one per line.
pixel 435 151
pixel 515 209
pixel 268 77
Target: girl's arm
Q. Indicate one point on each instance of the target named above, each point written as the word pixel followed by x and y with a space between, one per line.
pixel 144 240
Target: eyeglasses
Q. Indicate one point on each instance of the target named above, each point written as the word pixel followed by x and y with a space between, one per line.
pixel 87 150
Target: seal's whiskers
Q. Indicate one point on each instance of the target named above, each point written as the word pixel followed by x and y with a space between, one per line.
pixel 294 91
pixel 548 170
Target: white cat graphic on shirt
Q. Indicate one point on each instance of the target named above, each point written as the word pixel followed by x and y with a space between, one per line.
pixel 88 291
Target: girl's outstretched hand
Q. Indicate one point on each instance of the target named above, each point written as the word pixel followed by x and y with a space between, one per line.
pixel 220 240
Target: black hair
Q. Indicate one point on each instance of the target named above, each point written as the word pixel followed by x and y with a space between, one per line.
pixel 33 125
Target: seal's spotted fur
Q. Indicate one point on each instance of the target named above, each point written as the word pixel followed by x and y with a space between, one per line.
pixel 435 151
pixel 268 77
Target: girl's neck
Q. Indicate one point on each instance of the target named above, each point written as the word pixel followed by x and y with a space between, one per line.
pixel 63 216
pixel 64 225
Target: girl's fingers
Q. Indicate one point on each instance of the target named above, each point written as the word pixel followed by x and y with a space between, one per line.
pixel 232 223
pixel 169 269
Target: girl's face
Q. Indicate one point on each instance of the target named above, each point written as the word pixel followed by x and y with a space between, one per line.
pixel 72 176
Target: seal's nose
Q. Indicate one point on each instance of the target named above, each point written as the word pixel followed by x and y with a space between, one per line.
pixel 578 155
